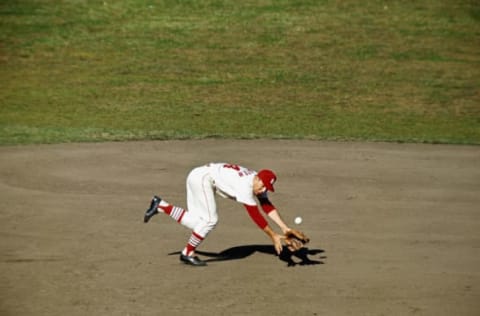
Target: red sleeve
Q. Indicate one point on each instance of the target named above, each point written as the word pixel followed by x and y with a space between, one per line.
pixel 267 208
pixel 265 203
pixel 254 213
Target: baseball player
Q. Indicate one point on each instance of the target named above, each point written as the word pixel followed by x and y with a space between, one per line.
pixel 228 181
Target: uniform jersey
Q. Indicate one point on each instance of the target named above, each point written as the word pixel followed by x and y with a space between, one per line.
pixel 236 182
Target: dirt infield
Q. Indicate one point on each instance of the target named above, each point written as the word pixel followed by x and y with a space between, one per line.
pixel 395 230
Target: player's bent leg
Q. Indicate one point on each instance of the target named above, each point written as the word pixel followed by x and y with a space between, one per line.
pixel 199 233
pixel 180 215
pixel 187 255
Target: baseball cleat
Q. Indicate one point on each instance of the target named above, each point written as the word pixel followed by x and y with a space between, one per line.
pixel 192 260
pixel 152 210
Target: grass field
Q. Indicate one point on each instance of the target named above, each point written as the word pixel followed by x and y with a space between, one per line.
pixel 406 71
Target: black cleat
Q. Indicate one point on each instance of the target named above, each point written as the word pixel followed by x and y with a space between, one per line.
pixel 192 260
pixel 152 210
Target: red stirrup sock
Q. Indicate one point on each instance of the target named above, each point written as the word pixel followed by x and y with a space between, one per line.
pixel 194 241
pixel 174 212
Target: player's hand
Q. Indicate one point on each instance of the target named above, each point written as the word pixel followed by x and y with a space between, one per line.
pixel 277 243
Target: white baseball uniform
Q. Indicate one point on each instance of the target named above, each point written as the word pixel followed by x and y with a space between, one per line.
pixel 228 181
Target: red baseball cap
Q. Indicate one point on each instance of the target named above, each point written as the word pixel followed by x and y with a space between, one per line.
pixel 268 178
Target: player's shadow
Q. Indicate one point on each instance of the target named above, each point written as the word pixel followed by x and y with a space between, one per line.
pixel 303 256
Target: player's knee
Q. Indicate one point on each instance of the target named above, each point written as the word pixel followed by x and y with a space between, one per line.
pixel 211 225
pixel 213 221
pixel 204 227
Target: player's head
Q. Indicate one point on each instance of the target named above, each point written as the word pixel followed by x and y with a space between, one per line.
pixel 268 178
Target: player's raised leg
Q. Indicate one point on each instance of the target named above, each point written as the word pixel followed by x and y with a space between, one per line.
pixel 180 215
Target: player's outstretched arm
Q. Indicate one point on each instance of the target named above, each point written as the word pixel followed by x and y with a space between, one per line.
pixel 275 216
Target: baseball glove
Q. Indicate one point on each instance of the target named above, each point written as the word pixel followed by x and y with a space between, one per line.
pixel 295 239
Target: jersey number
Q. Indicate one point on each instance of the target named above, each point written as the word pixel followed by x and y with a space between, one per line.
pixel 241 173
pixel 234 167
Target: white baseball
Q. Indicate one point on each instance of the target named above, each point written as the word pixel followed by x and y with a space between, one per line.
pixel 298 220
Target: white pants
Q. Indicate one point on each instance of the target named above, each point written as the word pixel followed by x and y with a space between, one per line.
pixel 202 215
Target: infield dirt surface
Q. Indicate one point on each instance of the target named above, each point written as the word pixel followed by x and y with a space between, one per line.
pixel 394 228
